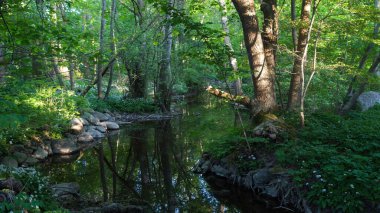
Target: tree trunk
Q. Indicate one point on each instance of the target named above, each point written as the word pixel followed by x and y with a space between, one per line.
pixel 101 48
pixel 354 97
pixel 71 73
pixel 270 32
pixel 227 42
pixel 164 85
pixel 2 62
pixel 112 45
pixel 262 75
pixel 294 30
pixel 57 73
pixel 294 96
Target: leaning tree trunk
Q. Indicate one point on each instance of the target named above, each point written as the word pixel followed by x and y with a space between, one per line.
pixel 294 96
pixel 112 45
pixel 227 42
pixel 262 75
pixel 164 85
pixel 351 93
pixel 354 97
pixel 101 48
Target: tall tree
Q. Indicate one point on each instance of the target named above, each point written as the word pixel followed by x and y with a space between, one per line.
pixel 112 46
pixel 294 96
pixel 227 42
pixel 262 73
pixel 165 78
pixel 101 49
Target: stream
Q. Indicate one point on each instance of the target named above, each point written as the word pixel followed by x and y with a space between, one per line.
pixel 153 161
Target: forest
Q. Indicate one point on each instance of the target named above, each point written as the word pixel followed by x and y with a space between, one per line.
pixel 189 106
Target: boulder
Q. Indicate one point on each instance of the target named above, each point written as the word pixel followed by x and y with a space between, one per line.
pixel 90 118
pixel 101 129
pixel 20 156
pixel 40 153
pixel 111 125
pixel 368 99
pixel 110 118
pixel 76 126
pixel 84 121
pixel 66 194
pixel 30 161
pixel 64 147
pixel 95 133
pixel 119 208
pixel 100 116
pixel 85 137
pixel 9 162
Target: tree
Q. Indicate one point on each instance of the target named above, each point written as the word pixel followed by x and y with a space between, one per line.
pixel 112 45
pixel 294 96
pixel 227 42
pixel 165 78
pixel 101 50
pixel 261 68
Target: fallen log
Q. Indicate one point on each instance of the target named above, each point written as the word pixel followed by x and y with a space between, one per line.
pixel 240 99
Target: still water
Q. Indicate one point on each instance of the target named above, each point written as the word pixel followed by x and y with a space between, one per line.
pixel 150 163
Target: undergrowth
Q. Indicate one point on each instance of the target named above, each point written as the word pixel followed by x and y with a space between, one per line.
pixel 336 160
pixel 34 108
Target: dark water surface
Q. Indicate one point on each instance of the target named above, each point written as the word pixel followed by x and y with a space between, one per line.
pixel 152 161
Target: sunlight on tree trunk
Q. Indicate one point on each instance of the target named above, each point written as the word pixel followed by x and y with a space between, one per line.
pixel 262 75
pixel 101 50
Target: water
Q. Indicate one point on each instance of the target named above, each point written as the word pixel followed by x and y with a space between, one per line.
pixel 150 163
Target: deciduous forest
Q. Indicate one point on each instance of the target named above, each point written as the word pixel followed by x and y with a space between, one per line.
pixel 189 106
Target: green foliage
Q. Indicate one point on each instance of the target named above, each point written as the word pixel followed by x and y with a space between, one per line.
pixel 336 160
pixel 131 105
pixel 31 107
pixel 36 194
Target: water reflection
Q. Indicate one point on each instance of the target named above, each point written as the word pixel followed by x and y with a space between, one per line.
pixel 149 164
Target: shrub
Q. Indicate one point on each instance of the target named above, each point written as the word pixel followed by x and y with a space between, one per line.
pixel 32 107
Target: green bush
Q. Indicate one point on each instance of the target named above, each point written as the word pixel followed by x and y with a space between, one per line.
pixel 336 160
pixel 32 107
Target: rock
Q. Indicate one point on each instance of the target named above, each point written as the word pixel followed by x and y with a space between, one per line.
pixel 11 184
pixel 368 99
pixel 111 125
pixel 85 137
pixel 100 116
pixel 76 126
pixel 101 129
pixel 18 148
pixel 47 146
pixel 40 153
pixel 119 208
pixel 67 194
pixel 84 121
pixel 30 161
pixel 123 122
pixel 220 171
pixel 90 118
pixel 92 210
pixel 20 157
pixel 64 146
pixel 95 133
pixel 9 162
pixel 110 118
